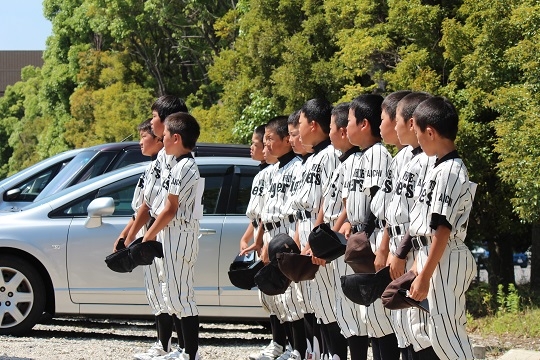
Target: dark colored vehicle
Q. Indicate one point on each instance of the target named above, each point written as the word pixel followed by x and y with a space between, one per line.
pixel 101 159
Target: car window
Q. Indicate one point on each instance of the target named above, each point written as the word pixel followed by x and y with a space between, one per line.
pixel 216 188
pixel 66 175
pixel 244 193
pixel 129 157
pixel 120 191
pixel 31 188
pixel 97 167
pixel 241 189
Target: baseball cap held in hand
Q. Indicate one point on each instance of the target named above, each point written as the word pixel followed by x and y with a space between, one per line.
pixel 359 255
pixel 326 243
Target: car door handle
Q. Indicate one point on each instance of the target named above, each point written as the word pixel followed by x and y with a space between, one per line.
pixel 207 231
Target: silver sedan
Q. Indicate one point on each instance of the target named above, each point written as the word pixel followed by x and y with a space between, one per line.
pixel 52 253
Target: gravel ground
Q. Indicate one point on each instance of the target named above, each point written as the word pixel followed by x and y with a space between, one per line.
pixel 101 339
pixel 96 339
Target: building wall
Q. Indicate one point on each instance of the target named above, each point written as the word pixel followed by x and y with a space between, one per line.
pixel 11 63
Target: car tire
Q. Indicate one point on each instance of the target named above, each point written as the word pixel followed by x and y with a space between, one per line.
pixel 22 296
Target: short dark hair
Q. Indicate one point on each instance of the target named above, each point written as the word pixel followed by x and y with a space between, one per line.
pixel 409 103
pixel 146 126
pixel 168 104
pixel 439 113
pixel 279 126
pixel 341 112
pixel 319 110
pixel 294 118
pixel 390 102
pixel 259 131
pixel 186 126
pixel 368 106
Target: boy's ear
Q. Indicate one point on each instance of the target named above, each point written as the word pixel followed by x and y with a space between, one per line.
pixel 431 132
pixel 365 124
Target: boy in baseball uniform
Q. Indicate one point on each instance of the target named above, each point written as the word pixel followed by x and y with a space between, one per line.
pixel 261 181
pixel 150 146
pixel 364 174
pixel 176 226
pixel 444 265
pixel 277 218
pixel 411 323
pixel 350 329
pixel 314 127
pixel 161 108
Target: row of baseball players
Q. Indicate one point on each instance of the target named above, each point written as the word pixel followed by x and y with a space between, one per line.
pixel 328 164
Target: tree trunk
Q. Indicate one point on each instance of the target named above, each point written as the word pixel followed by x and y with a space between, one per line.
pixel 501 267
pixel 535 257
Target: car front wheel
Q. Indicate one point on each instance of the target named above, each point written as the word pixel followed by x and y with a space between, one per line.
pixel 22 296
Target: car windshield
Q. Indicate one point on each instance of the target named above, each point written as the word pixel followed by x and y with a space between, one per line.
pixel 67 173
pixel 36 165
pixel 75 187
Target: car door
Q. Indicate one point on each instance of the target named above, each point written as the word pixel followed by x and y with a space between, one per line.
pixel 217 184
pixel 90 280
pixel 235 224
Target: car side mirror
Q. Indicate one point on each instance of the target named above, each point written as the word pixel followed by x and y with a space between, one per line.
pixel 13 194
pixel 96 209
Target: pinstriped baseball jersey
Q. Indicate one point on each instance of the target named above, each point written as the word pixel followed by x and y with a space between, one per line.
pixel 362 171
pixel 382 198
pixel 333 200
pixel 408 187
pixel 155 178
pixel 275 207
pixel 309 197
pixel 409 326
pixel 256 202
pixel 318 172
pixel 447 192
pixel 350 318
pixel 260 181
pixel 150 185
pixel 138 193
pixel 298 177
pixel 182 181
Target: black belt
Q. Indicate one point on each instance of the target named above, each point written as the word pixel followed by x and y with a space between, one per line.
pixel 270 226
pixel 395 230
pixel 356 228
pixel 274 225
pixel 255 223
pixel 420 241
pixel 303 215
pixel 151 222
pixel 381 224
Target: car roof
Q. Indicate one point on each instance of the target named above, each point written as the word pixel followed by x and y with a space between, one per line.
pixel 201 149
pixel 115 146
pixel 232 150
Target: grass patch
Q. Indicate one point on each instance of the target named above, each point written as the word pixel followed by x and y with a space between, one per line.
pixel 523 324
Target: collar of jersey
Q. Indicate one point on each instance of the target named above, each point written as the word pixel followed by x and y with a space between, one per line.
pixel 188 155
pixel 322 145
pixel 451 155
pixel 263 165
pixel 417 150
pixel 305 157
pixel 348 153
pixel 285 159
